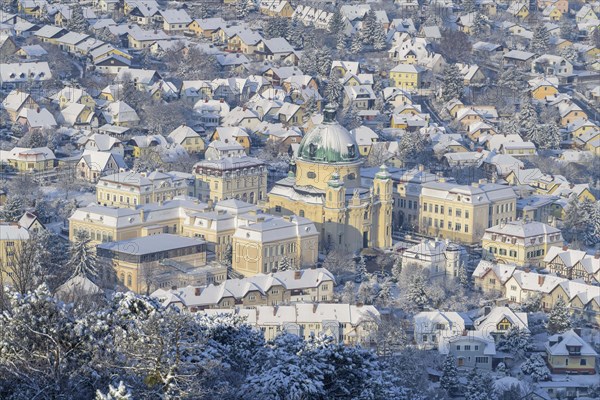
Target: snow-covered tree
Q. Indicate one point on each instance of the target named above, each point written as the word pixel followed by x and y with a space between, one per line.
pixel 369 27
pixel 469 6
pixel 546 136
pixel 276 27
pixel 453 83
pixel 360 271
pixel 536 368
pixel 479 387
pixel 515 341
pixel 412 148
pixel 356 45
pixel 532 304
pixel 119 392
pixel 570 54
pixel 527 118
pixel 77 22
pixel 559 320
pixel 379 37
pixel 540 41
pixel 568 30
pixel 385 294
pixel 397 269
pixel 242 9
pixel 592 223
pixel 341 42
pixel 14 208
pixel 449 380
pixel 83 259
pixel 334 89
pixel 417 294
pixel 295 35
pixel 285 264
pixel 324 61
pixel 511 78
pixel 480 24
pixel 336 23
pixel 350 118
pixel 349 293
pixel 228 255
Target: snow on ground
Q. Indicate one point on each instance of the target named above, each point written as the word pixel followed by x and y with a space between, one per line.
pixel 83 197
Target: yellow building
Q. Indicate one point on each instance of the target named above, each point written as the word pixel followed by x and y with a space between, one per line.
pixel 406 76
pixel 228 134
pixel 188 138
pixel 324 186
pixel 130 189
pixel 520 242
pixel 568 353
pixel 23 159
pixel 462 213
pixel 242 178
pixel 11 240
pixel 262 246
pixel 69 95
pixel 542 90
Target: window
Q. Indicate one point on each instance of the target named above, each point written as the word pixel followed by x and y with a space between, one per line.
pixel 466 213
pixel 466 228
pixel 467 347
pixel 458 347
pixel 311 175
pixel 481 360
pixel 459 213
pixel 277 208
pixel 424 338
pixel 583 361
pixel 301 213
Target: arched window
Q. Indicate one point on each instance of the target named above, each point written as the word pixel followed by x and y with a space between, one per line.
pixel 129 280
pixel 301 213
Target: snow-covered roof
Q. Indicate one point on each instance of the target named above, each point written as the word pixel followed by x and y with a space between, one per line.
pixel 502 271
pixel 151 244
pixel 489 323
pixel 559 344
pixel 13 232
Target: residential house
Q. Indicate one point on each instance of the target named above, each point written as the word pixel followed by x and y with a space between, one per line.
pixel 573 264
pixel 188 138
pixel 17 100
pixel 430 327
pixel 29 159
pixel 568 353
pixel 94 164
pixel 440 258
pixel 175 20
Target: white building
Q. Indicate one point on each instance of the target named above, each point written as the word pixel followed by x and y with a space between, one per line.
pixel 440 257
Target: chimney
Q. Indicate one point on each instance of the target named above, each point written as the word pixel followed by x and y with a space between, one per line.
pixel 541 279
pixel 487 310
pixel 313 266
pixel 565 247
pixel 315 305
pixel 244 108
pixel 597 255
pixel 197 291
pixel 577 331
pixel 421 167
pixel 206 100
pixel 221 100
pixel 275 308
pixel 38 110
pixel 479 150
pixel 210 204
pixel 359 304
pixel 297 274
pixel 464 332
pixel 142 214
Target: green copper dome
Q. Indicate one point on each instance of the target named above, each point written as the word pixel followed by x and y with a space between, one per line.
pixel 329 142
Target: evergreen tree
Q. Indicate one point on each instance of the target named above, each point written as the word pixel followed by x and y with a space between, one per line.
pixel 463 276
pixel 349 293
pixel 323 61
pixel 295 34
pixel 83 259
pixel 397 269
pixel 515 341
pixel 284 264
pixel 341 41
pixel 308 61
pixel 385 294
pixel 558 320
pixel 356 46
pixel 228 255
pixel 511 127
pixel 595 38
pixel 417 294
pixel 115 393
pixel 592 232
pixel 480 24
pixel 334 89
pixel 568 30
pixel 480 387
pixel 379 37
pixel 511 79
pixel 453 83
pixel 449 380
pixel 360 270
pixel 336 23
pixel 77 22
pixel 351 119
pixel 241 9
pixel 527 118
pixel 14 208
pixel 536 368
pixel 369 26
pixel 541 40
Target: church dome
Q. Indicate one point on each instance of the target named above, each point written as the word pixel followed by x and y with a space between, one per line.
pixel 328 142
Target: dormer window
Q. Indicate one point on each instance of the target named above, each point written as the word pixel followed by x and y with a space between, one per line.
pixel 351 150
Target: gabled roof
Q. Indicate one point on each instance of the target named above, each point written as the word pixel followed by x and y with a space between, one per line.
pixel 489 322
pixel 558 344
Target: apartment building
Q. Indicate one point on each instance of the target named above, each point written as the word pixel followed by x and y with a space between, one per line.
pixel 520 242
pixel 347 324
pixel 276 288
pixel 241 178
pixel 130 189
pixel 462 213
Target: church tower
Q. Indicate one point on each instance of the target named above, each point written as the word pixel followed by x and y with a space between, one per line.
pixel 382 221
pixel 334 213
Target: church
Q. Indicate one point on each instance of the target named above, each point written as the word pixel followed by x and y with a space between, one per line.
pixel 324 185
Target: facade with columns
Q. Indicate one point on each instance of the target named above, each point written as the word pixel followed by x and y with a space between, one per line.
pixel 324 186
